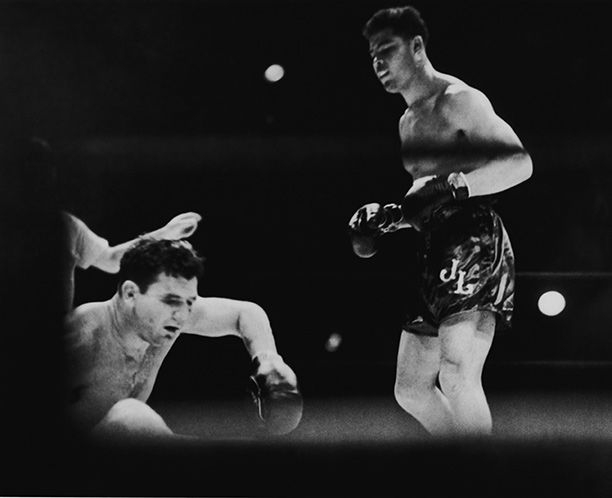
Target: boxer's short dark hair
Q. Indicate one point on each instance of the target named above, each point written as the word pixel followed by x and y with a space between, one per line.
pixel 403 21
pixel 148 258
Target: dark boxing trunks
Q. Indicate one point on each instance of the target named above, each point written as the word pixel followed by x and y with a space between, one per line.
pixel 466 264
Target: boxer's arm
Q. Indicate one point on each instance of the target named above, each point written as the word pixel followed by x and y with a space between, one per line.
pixel 79 347
pixel 81 324
pixel 273 384
pixel 84 246
pixel 217 317
pixel 179 227
pixel 110 258
pixel 494 158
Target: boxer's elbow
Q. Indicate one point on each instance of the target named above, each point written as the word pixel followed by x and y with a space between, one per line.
pixel 522 169
pixel 255 329
pixel 526 167
pixel 109 261
pixel 252 317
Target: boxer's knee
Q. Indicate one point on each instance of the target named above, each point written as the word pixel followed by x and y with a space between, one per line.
pixel 412 397
pixel 456 376
pixel 132 417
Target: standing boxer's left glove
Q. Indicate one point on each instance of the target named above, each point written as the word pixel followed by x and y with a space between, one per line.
pixel 274 391
pixel 419 204
pixel 370 222
pixel 368 219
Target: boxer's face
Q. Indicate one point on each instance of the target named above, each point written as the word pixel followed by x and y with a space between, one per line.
pixel 393 60
pixel 161 311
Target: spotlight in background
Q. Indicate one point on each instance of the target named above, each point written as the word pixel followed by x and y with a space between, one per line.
pixel 551 303
pixel 274 73
pixel 333 342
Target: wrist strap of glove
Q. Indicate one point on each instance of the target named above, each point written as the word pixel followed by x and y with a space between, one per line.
pixel 393 217
pixel 419 204
pixel 266 355
pixel 460 186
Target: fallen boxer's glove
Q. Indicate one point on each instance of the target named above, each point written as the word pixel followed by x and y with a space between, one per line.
pixel 274 391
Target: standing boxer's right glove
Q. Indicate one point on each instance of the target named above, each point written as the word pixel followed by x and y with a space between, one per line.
pixel 419 204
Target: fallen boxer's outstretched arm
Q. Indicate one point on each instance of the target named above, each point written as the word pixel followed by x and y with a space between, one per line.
pixel 273 384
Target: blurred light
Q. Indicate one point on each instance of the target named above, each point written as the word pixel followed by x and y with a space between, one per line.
pixel 551 303
pixel 274 73
pixel 333 342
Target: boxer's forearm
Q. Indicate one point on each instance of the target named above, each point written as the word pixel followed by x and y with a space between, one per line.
pixel 499 175
pixel 109 261
pixel 255 330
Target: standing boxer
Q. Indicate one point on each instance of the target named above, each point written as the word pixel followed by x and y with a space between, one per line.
pixel 458 151
pixel 115 348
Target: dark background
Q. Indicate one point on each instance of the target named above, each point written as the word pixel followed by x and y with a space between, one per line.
pixel 153 108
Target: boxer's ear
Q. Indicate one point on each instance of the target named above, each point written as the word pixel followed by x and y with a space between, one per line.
pixel 129 290
pixel 417 44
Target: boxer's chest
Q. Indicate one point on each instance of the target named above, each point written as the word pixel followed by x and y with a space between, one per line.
pixel 127 376
pixel 426 137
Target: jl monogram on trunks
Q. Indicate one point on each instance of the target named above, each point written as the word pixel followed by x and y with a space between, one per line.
pixel 451 274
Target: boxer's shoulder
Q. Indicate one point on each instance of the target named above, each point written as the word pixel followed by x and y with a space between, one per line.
pixel 86 320
pixel 460 101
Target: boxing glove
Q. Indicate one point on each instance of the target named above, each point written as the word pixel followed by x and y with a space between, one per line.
pixel 370 222
pixel 418 204
pixel 275 394
pixel 364 229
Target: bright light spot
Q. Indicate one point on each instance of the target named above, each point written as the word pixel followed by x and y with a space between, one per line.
pixel 333 342
pixel 274 73
pixel 551 303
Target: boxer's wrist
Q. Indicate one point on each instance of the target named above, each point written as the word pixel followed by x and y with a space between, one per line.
pixel 460 185
pixel 155 234
pixel 393 218
pixel 266 355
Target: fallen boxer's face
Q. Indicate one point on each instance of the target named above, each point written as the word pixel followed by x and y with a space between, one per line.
pixel 164 308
